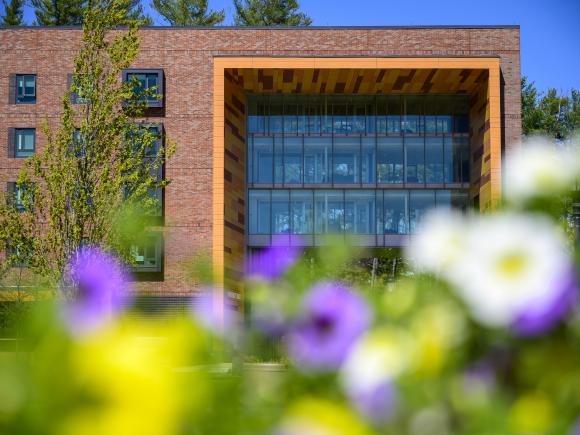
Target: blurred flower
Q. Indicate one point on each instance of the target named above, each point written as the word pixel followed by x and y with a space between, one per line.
pixel 516 272
pixel 272 262
pixel 332 319
pixel 440 241
pixel 97 288
pixel 367 374
pixel 540 169
pixel 222 321
pixel 317 417
pixel 126 382
pixel 531 413
pixel 511 269
pixel 576 428
pixel 435 330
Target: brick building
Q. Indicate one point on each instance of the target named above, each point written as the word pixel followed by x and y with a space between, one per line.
pixel 293 131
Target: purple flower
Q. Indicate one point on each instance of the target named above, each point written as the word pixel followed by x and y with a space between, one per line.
pixel 378 403
pixel 271 263
pixel 96 286
pixel 576 428
pixel 333 317
pixel 545 314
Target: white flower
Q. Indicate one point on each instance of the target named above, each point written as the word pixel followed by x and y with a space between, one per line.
pixel 540 169
pixel 510 269
pixel 440 241
pixel 513 263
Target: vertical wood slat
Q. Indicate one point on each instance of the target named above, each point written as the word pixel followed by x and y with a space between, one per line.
pixel 12 89
pixel 11 142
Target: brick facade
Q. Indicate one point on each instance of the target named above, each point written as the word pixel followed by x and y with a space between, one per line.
pixel 186 57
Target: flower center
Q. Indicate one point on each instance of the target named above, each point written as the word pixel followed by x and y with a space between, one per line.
pixel 512 264
pixel 324 324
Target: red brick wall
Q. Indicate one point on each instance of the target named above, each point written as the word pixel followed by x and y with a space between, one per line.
pixel 186 58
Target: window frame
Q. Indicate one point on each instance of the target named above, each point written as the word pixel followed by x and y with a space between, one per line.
pixel 16 149
pixel 158 103
pixel 17 95
pixel 158 242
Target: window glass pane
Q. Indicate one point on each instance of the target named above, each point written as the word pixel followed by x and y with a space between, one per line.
pixel 256 119
pixel 445 108
pixel 293 160
pixel 263 163
pixel 301 116
pixel 431 114
pixel 279 160
pixel 301 211
pixel 359 210
pixel 413 120
pixel 464 145
pixel 451 199
pixel 259 218
pixel 290 112
pixel 317 157
pixel 346 160
pixel 25 88
pixel 414 148
pixel 250 159
pixel 368 160
pixel 394 115
pixel 359 115
pixel 314 111
pixel 275 120
pixel 420 202
pixel 381 114
pixel 371 116
pixel 452 170
pixel 329 211
pixel 280 212
pixel 434 160
pixel 390 160
pixel 25 142
pixel 326 115
pixel 342 122
pixel 29 85
pixel 147 255
pixel 395 215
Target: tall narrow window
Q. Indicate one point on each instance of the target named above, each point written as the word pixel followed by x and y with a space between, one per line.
pixel 25 142
pixel 26 88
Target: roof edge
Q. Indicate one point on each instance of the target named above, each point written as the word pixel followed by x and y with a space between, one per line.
pixel 410 27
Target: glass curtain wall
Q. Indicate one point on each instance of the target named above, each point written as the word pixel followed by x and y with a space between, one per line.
pixel 363 165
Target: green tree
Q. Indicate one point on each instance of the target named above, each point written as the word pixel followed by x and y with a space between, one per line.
pixel 269 13
pixel 70 12
pixel 13 15
pixel 188 12
pixel 553 114
pixel 97 167
pixel 58 12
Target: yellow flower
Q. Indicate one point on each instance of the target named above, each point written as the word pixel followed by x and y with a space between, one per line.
pixel 310 416
pixel 128 383
pixel 531 413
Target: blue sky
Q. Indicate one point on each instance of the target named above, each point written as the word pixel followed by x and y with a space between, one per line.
pixel 550 29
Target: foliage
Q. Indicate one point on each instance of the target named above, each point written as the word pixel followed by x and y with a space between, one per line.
pixel 93 172
pixel 552 114
pixel 188 12
pixel 480 337
pixel 71 12
pixel 13 13
pixel 269 13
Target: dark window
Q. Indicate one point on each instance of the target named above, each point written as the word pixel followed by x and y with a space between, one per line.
pixel 20 196
pixel 25 142
pixel 26 88
pixel 78 94
pixel 148 85
pixel 148 254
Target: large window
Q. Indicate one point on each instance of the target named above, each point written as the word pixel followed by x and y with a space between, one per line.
pixel 345 211
pixel 148 255
pixel 366 165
